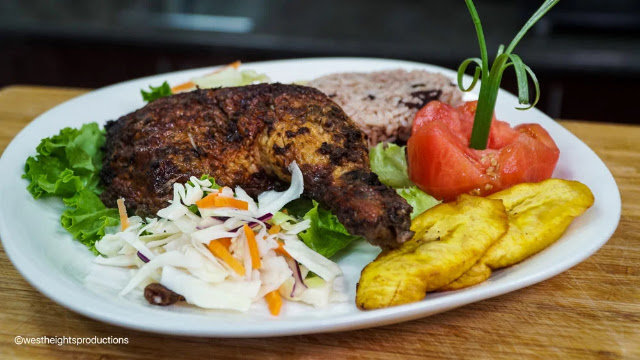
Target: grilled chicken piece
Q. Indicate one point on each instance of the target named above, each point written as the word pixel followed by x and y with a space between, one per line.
pixel 247 136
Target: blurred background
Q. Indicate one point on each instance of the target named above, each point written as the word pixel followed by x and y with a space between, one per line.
pixel 586 53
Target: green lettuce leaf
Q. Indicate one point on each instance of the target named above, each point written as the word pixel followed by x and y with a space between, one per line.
pixel 299 207
pixel 389 162
pixel 87 218
pixel 66 163
pixel 418 199
pixel 156 92
pixel 326 235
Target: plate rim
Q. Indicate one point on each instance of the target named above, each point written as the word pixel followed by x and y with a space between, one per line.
pixel 351 321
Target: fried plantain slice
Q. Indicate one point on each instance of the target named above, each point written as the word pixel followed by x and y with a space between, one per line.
pixel 539 213
pixel 478 273
pixel 449 238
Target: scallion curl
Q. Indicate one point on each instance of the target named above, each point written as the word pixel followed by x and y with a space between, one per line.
pixel 490 85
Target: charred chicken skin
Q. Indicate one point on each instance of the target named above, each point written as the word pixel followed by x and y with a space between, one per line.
pixel 247 136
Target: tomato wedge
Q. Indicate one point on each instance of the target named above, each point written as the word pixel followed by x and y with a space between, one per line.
pixel 442 164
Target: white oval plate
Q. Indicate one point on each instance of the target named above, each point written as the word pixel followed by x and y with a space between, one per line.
pixel 57 266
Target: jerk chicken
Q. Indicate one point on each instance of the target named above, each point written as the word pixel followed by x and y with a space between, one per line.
pixel 247 136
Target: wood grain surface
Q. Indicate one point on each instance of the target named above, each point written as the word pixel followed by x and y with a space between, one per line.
pixel 590 311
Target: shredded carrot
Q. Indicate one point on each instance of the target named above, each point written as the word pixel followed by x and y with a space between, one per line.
pixel 207 201
pixel 280 249
pixel 220 201
pixel 221 252
pixel 226 242
pixel 253 247
pixel 183 87
pixel 190 85
pixel 213 200
pixel 274 301
pixel 285 211
pixel 124 220
pixel 274 229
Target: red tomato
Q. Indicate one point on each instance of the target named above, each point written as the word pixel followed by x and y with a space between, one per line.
pixel 442 164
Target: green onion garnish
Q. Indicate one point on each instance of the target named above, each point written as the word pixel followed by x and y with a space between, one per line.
pixel 491 78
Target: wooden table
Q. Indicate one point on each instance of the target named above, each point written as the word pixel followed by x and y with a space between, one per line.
pixel 590 311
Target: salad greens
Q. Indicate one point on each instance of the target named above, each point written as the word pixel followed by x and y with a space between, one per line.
pixel 67 166
pixel 156 92
pixel 327 235
pixel 299 208
pixel 389 162
pixel 66 163
pixel 87 218
pixel 419 200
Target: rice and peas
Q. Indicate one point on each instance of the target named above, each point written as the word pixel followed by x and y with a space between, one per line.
pixel 384 103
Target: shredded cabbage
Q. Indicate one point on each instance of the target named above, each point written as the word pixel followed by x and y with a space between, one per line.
pixel 230 76
pixel 274 273
pixel 177 248
pixel 273 201
pixel 315 262
pixel 230 295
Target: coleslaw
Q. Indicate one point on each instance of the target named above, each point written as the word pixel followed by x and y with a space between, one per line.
pixel 219 249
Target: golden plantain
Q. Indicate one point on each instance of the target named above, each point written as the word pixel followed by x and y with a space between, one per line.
pixel 449 238
pixel 539 213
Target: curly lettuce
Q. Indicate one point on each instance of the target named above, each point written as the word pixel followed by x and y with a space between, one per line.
pixel 156 92
pixel 67 166
pixel 87 219
pixel 66 163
